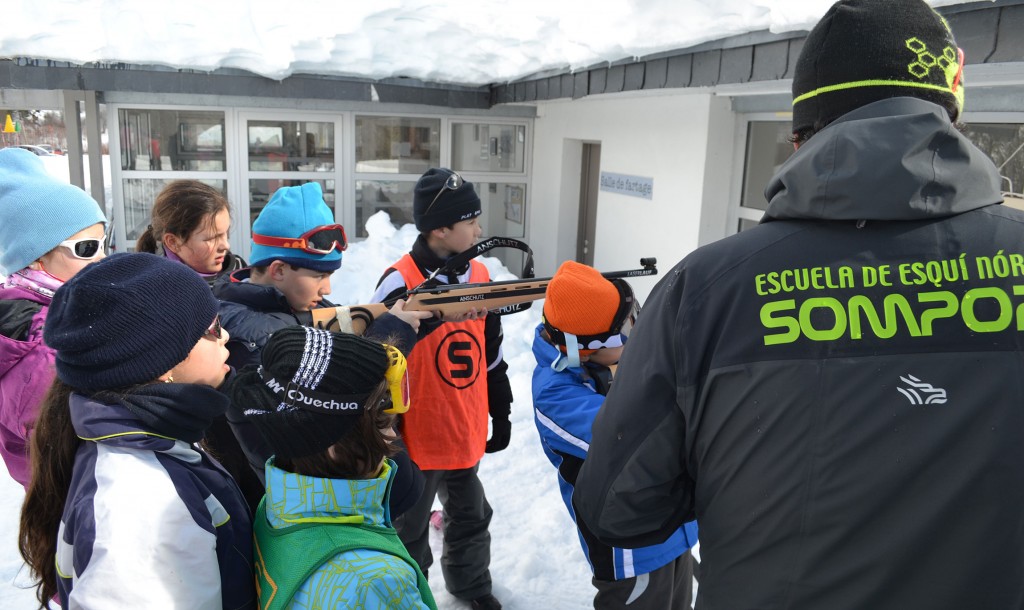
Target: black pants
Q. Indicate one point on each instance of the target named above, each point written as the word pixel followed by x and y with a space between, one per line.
pixel 668 587
pixel 466 559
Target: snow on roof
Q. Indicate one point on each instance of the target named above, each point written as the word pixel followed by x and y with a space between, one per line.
pixel 455 41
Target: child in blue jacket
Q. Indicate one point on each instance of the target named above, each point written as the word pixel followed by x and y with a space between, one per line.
pixel 586 320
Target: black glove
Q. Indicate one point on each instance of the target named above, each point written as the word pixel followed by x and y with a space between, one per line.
pixel 501 432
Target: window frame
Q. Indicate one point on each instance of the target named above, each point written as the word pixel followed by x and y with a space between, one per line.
pixel 119 175
pixel 737 211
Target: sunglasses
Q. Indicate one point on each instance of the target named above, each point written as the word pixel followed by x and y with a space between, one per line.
pixel 87 248
pixel 453 183
pixel 214 332
pixel 397 376
pixel 318 240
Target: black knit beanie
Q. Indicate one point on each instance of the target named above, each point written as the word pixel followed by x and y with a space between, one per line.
pixel 863 51
pixel 311 388
pixel 126 320
pixel 449 207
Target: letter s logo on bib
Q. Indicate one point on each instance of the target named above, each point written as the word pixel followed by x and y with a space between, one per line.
pixel 459 359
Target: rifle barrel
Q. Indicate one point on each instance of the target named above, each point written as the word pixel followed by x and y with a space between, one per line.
pixel 521 287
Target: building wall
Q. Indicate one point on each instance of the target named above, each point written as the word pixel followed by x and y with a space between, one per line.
pixel 664 137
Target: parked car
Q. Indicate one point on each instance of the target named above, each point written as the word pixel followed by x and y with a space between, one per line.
pixel 38 150
pixel 53 150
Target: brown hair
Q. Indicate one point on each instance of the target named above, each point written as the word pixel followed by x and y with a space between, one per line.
pixel 52 453
pixel 180 209
pixel 358 454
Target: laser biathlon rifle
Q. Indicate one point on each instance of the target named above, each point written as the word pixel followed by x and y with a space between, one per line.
pixel 500 298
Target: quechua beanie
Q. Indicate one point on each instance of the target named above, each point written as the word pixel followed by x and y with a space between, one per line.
pixel 37 211
pixel 291 212
pixel 310 389
pixel 435 205
pixel 126 320
pixel 863 51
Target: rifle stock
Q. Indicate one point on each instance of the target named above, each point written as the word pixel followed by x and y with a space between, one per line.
pixel 502 298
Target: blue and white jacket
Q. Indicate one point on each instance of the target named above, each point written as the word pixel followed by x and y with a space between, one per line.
pixel 150 521
pixel 565 403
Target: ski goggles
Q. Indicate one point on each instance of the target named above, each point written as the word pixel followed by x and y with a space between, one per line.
pixel 453 183
pixel 397 377
pixel 214 332
pixel 318 240
pixel 86 248
pixel 618 332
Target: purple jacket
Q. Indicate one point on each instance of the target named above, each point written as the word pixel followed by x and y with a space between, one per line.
pixel 26 372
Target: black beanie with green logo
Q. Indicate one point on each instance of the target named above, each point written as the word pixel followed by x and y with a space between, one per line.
pixel 863 51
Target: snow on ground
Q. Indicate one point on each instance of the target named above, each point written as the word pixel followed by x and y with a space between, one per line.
pixel 536 561
pixel 13 573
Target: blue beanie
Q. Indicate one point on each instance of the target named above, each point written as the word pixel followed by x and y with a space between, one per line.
pixel 292 211
pixel 37 212
pixel 126 320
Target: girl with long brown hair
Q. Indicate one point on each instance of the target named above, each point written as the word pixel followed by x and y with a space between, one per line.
pixel 189 224
pixel 124 510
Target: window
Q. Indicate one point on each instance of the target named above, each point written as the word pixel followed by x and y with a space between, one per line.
pixel 391 196
pixel 397 145
pixel 139 195
pixel 490 155
pixel 157 146
pixel 172 140
pixel 484 147
pixel 1004 144
pixel 503 208
pixel 767 147
pixel 391 154
pixel 297 146
pixel 260 191
pixel 745 224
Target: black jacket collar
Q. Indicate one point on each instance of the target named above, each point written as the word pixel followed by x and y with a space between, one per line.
pixel 895 159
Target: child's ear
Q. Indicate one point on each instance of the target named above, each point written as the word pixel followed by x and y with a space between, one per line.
pixel 440 232
pixel 276 270
pixel 171 242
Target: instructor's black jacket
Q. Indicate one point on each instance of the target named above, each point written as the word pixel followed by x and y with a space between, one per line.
pixel 837 395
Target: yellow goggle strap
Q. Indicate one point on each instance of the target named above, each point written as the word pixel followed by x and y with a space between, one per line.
pixel 398 381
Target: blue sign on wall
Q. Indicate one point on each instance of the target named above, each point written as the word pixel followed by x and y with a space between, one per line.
pixel 634 186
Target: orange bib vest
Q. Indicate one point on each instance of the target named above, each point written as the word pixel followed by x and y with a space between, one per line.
pixel 446 425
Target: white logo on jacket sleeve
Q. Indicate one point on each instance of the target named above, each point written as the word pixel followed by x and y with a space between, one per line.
pixel 922 393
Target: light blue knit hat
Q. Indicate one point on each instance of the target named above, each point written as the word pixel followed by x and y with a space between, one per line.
pixel 37 212
pixel 292 211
